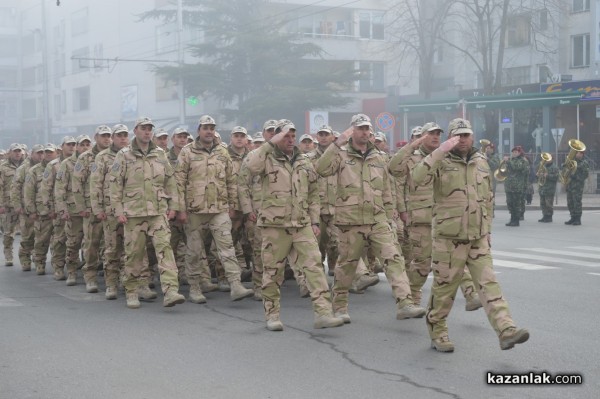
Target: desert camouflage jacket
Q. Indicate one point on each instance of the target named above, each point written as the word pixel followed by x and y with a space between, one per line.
pixel 16 191
pixel 32 198
pixel 80 179
pixel 7 174
pixel 48 184
pixel 63 194
pixel 237 160
pixel 100 182
pixel 327 185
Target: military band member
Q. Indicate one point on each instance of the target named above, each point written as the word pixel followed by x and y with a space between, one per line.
pixel 515 184
pixel 575 187
pixel 547 179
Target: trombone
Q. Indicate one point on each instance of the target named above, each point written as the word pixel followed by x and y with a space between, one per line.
pixel 542 172
pixel 570 165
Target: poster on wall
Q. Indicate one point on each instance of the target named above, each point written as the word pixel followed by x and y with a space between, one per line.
pixel 316 119
pixel 129 102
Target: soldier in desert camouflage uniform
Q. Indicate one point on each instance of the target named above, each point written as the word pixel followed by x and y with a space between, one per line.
pixel 58 247
pixel 289 218
pixel 16 197
pixel 143 197
pixel 364 207
pixel 65 206
pixel 92 226
pixel 462 218
pixel 102 211
pixel 38 210
pixel 419 203
pixel 8 168
pixel 208 193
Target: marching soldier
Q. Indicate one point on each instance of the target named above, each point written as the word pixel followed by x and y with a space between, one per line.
pixel 364 207
pixel 8 168
pixel 208 194
pixel 143 197
pixel 16 197
pixel 547 179
pixel 289 218
pixel 161 139
pixel 103 212
pixel 462 209
pixel 515 184
pixel 92 227
pixel 575 187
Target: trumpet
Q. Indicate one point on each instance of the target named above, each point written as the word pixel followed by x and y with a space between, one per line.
pixel 570 165
pixel 484 145
pixel 501 173
pixel 541 172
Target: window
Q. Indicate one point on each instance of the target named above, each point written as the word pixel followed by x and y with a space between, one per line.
pixel 8 47
pixel 63 96
pixel 581 5
pixel 580 51
pixel 166 90
pixel 518 32
pixel 371 25
pixel 57 105
pixel 79 22
pixel 166 38
pixel 543 23
pixel 79 63
pixel 29 108
pixel 544 74
pixel 28 76
pixel 371 76
pixel 81 99
pixel 28 44
pixel 8 78
pixel 516 76
pixel 7 17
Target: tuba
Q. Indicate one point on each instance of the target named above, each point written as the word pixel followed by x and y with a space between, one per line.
pixel 501 173
pixel 570 165
pixel 484 145
pixel 541 172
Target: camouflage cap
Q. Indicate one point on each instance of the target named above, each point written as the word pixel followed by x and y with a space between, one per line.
pixel 430 127
pixel 258 138
pixel 239 129
pixel 217 135
pixel 206 120
pixel 143 120
pixel 38 148
pixel 248 137
pixel 361 120
pixel 160 132
pixel 69 139
pixel 50 147
pixel 83 137
pixel 517 148
pixel 15 147
pixel 287 126
pixel 24 147
pixel 416 131
pixel 325 128
pixel 459 126
pixel 120 128
pixel 103 129
pixel 380 136
pixel 306 137
pixel 270 124
pixel 336 134
pixel 180 130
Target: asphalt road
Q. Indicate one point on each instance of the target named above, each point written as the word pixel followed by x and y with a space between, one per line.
pixel 60 342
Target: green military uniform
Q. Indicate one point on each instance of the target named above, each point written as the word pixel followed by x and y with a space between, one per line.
pixel 290 205
pixel 25 223
pixel 515 187
pixel 574 189
pixel 93 234
pixel 363 209
pixel 142 188
pixel 462 218
pixel 58 247
pixel 494 163
pixel 8 170
pixel 547 191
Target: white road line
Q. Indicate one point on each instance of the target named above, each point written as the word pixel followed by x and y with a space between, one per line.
pixel 559 252
pixel 9 302
pixel 584 248
pixel 566 261
pixel 520 265
pixel 595 274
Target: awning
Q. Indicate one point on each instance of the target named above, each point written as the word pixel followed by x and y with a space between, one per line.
pixel 430 106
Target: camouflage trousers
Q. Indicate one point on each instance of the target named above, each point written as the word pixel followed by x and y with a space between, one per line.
pixel 574 198
pixel 10 223
pixel 547 204
pixel 74 233
pixel 93 236
pixel 136 231
pixel 328 241
pixel 198 227
pixel 353 240
pixel 515 202
pixel 114 251
pixel 43 228
pixel 419 268
pixel 27 240
pixel 404 241
pixel 449 260
pixel 58 247
pixel 254 234
pixel 178 244
pixel 237 231
pixel 299 244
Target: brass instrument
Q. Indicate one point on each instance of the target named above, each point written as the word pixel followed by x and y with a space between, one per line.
pixel 484 145
pixel 570 165
pixel 501 173
pixel 541 172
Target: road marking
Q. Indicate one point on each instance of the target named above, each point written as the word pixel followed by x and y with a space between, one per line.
pixel 584 248
pixel 520 265
pixel 595 274
pixel 559 252
pixel 9 302
pixel 545 258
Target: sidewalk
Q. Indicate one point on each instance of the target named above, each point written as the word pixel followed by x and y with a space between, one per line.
pixel 589 201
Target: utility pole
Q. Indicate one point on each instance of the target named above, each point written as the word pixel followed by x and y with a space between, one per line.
pixel 180 61
pixel 46 99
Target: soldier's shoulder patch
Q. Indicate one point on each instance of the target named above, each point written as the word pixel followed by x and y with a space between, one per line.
pixel 27 177
pixel 350 162
pixel 46 174
pixel 116 167
pixel 93 167
pixel 59 174
pixel 78 166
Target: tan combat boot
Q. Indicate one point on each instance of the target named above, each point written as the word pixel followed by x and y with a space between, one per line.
pixel 442 344
pixel 327 321
pixel 196 294
pixel 344 316
pixel 59 275
pixel 224 286
pixel 91 287
pixel 71 278
pixel 146 294
pixel 512 336
pixel 257 294
pixel 207 286
pixel 132 300
pixel 40 270
pixel 410 311
pixel 239 292
pixel 365 281
pixel 274 324
pixel 473 302
pixel 111 292
pixel 172 298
